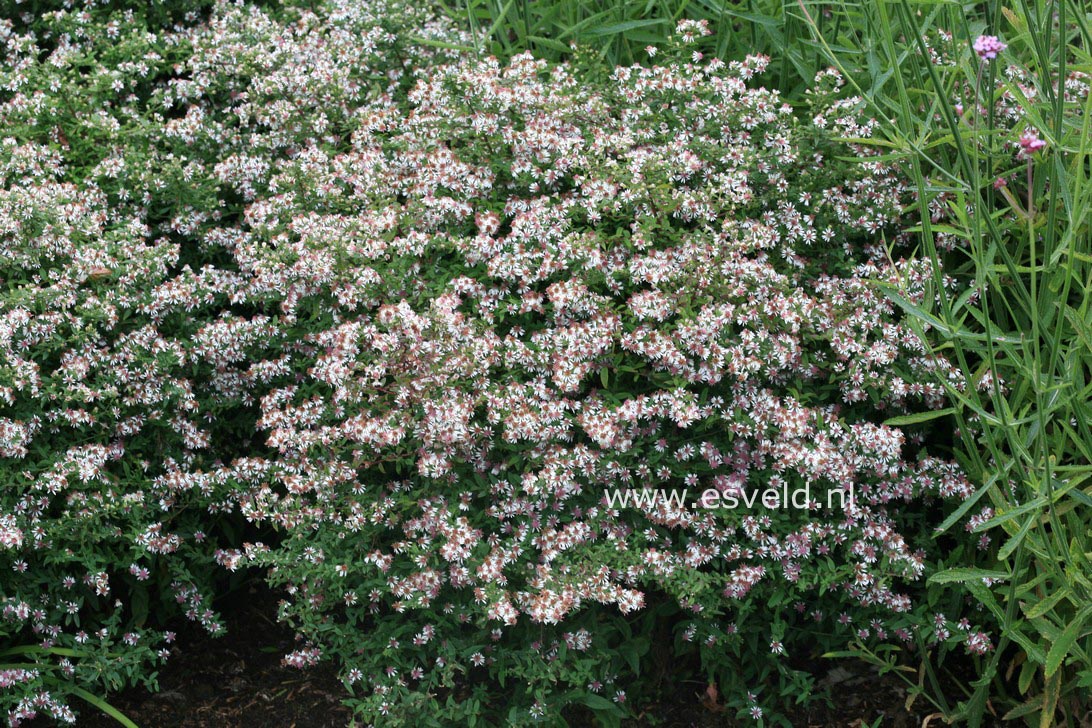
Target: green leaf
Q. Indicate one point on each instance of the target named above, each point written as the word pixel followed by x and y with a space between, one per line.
pixel 441 44
pixel 918 417
pixel 104 707
pixel 623 27
pixel 1025 709
pixel 554 45
pixel 1047 604
pixel 1035 505
pixel 1027 672
pixel 1061 647
pixel 597 702
pixel 631 650
pixel 139 604
pixel 950 575
pixel 1010 546
pixel 1051 693
pixel 983 596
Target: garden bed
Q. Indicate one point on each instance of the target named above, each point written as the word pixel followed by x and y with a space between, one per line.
pixel 545 364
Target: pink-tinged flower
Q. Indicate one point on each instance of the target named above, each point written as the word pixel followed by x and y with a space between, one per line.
pixel 979 643
pixel 691 30
pixel 10 536
pixel 988 46
pixel 1030 143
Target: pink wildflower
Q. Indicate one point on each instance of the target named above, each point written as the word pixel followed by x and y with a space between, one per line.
pixel 988 46
pixel 1030 143
pixel 978 643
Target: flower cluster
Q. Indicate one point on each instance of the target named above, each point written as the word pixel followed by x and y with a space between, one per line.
pixel 486 305
pixel 414 315
pixel 988 47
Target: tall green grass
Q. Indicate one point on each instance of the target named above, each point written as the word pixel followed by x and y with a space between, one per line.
pixel 617 32
pixel 1020 311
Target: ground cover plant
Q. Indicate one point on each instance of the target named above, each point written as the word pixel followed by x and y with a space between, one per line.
pixel 435 344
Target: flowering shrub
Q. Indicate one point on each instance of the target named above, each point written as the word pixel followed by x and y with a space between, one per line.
pixel 96 399
pixel 485 306
pixel 419 316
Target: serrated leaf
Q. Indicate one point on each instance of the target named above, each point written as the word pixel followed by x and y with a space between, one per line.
pixel 1050 701
pixel 550 43
pixel 1040 609
pixel 1061 647
pixel 1027 708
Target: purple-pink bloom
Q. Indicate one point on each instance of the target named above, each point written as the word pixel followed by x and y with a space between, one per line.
pixel 988 46
pixel 1030 143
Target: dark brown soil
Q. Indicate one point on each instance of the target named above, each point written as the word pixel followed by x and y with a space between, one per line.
pixel 862 699
pixel 236 681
